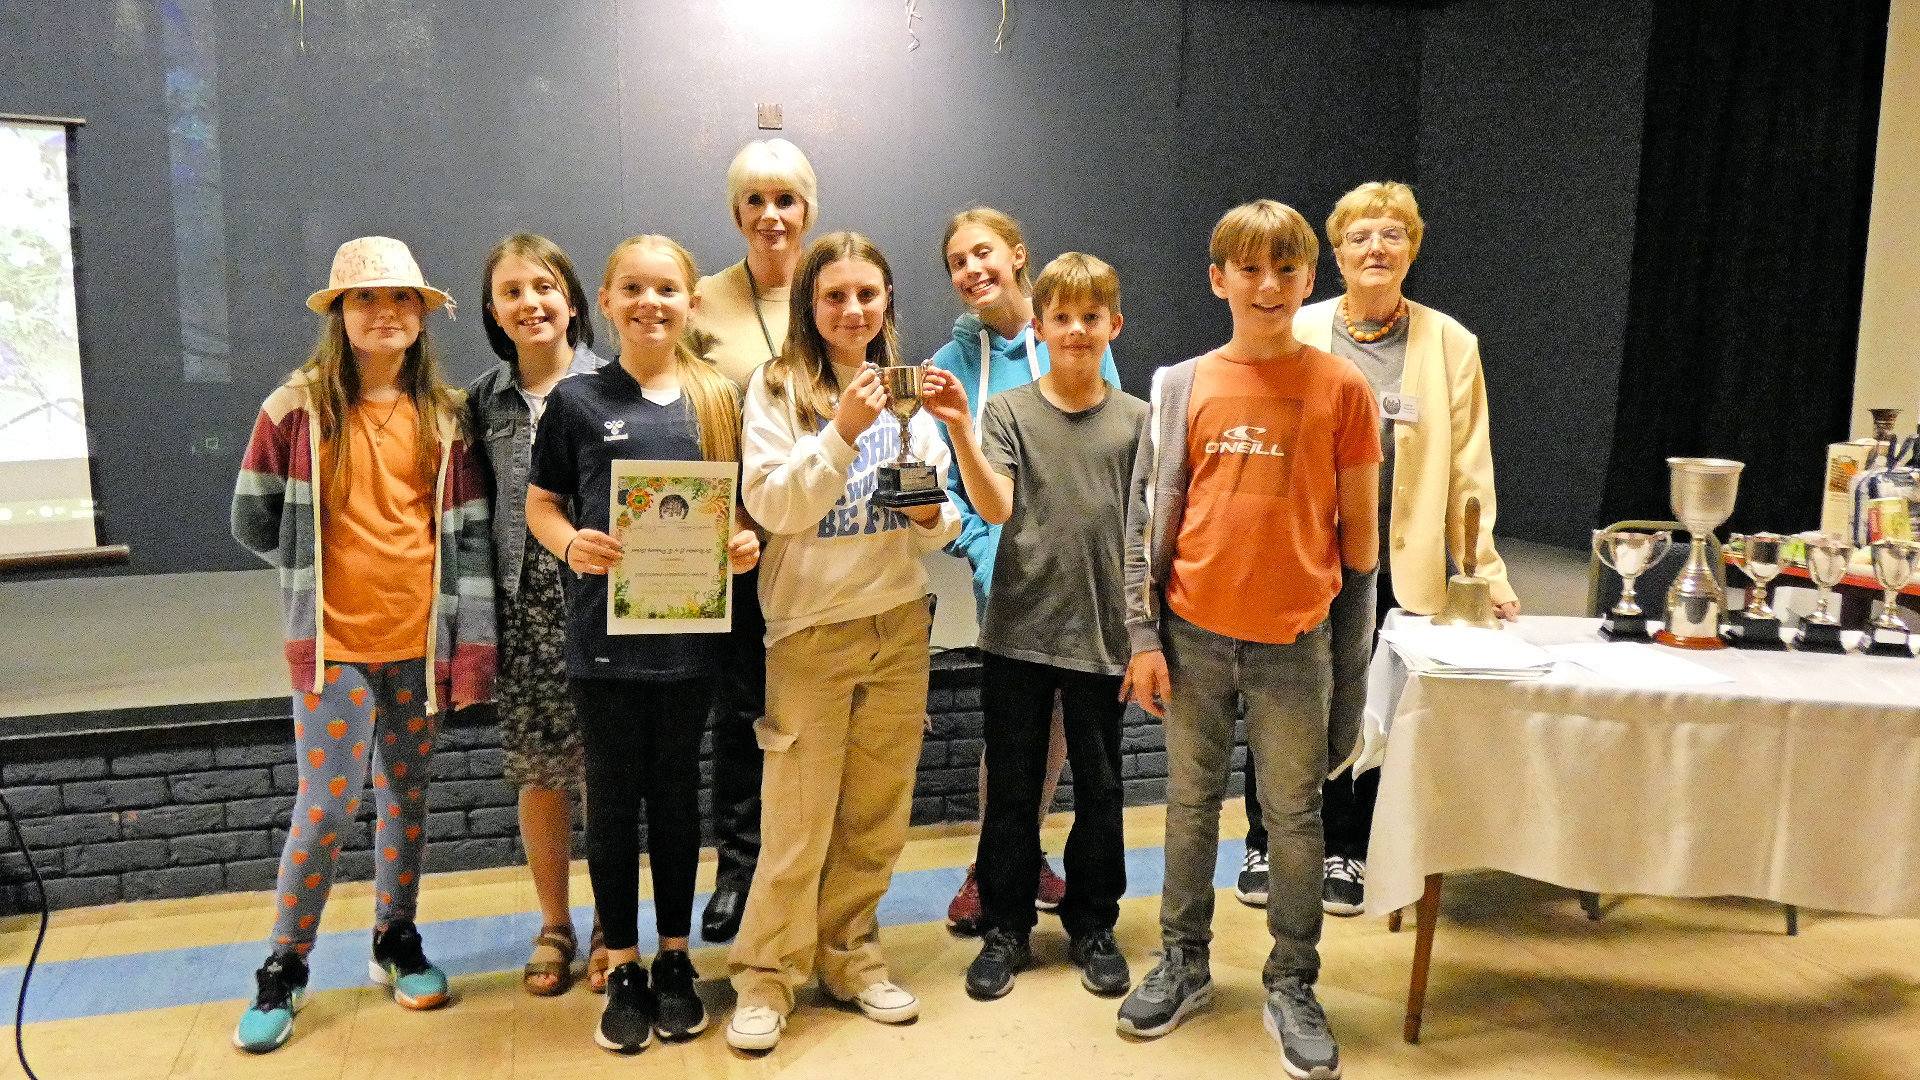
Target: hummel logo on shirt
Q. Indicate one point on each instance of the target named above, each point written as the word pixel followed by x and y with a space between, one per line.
pixel 614 434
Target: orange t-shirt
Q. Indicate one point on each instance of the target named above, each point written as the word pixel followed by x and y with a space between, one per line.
pixel 376 540
pixel 1258 553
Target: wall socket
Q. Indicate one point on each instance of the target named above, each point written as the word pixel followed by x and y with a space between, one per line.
pixel 770 115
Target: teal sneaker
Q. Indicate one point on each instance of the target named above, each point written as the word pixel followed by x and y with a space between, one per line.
pixel 399 962
pixel 268 1021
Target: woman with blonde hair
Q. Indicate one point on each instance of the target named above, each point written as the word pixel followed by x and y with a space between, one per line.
pixel 641 699
pixel 360 485
pixel 1438 455
pixel 740 324
pixel 845 597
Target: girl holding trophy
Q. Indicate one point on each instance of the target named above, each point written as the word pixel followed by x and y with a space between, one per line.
pixel 848 618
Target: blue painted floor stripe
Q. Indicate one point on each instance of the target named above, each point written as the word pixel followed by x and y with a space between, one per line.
pixel 165 978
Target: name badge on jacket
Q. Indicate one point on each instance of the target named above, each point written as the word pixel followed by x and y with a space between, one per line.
pixel 1404 408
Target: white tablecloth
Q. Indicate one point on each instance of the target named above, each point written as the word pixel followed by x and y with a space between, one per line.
pixel 1797 782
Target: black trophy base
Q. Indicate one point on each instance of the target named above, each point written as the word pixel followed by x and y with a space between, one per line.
pixel 1759 634
pixel 1820 637
pixel 1624 628
pixel 903 486
pixel 1884 642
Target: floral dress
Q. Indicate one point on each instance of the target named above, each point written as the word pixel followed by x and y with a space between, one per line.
pixel 537 727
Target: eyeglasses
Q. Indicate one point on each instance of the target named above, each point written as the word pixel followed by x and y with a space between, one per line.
pixel 1392 236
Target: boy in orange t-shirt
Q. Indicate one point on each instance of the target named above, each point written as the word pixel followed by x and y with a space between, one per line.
pixel 1255 495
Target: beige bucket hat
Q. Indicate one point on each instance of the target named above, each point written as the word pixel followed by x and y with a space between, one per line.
pixel 376 262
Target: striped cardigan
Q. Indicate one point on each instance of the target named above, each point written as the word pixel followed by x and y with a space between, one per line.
pixel 275 516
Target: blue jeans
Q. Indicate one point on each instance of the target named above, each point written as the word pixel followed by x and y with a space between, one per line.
pixel 1285 690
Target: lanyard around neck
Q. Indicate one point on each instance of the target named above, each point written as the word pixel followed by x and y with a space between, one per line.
pixel 753 291
pixel 986 373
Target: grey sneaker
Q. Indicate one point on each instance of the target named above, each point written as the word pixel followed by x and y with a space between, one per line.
pixel 1251 887
pixel 1176 987
pixel 1295 1020
pixel 1344 892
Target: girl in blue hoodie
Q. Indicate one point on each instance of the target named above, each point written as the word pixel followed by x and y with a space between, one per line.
pixel 994 348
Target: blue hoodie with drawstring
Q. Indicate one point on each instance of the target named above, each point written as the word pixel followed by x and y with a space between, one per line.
pixel 1007 367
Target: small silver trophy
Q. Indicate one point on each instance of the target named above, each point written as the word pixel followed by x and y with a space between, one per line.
pixel 1629 553
pixel 1702 491
pixel 1827 558
pixel 907 481
pixel 1757 627
pixel 1893 565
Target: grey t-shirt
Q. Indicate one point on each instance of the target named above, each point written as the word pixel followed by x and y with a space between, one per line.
pixel 1058 593
pixel 1383 362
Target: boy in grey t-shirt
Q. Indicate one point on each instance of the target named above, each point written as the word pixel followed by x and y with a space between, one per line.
pixel 1054 465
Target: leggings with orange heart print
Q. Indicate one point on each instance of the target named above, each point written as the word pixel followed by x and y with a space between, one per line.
pixel 365 716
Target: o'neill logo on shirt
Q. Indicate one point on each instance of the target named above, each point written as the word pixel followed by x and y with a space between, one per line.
pixel 1244 439
pixel 614 434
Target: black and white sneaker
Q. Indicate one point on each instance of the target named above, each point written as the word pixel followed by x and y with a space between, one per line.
pixel 1181 983
pixel 1251 888
pixel 626 1024
pixel 678 1011
pixel 1345 891
pixel 1003 954
pixel 1295 1020
pixel 1103 967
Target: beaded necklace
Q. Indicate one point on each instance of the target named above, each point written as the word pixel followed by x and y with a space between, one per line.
pixel 1368 337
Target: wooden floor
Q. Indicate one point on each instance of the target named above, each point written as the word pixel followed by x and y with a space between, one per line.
pixel 1523 986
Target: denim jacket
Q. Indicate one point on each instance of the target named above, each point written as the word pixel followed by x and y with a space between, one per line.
pixel 501 430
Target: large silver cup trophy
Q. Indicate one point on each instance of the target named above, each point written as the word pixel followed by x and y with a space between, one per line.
pixel 1827 559
pixel 1629 553
pixel 1702 491
pixel 1756 626
pixel 907 481
pixel 1893 565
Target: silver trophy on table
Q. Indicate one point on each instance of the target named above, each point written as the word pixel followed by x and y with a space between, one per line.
pixel 1756 626
pixel 1702 491
pixel 1893 565
pixel 1629 553
pixel 1826 563
pixel 906 481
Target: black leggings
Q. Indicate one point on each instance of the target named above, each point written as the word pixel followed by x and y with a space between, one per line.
pixel 642 742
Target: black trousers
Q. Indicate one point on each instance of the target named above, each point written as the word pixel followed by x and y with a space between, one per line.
pixel 642 743
pixel 1016 697
pixel 1346 801
pixel 740 698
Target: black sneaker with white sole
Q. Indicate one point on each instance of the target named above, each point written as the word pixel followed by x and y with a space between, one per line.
pixel 678 1012
pixel 1251 887
pixel 1295 1020
pixel 1103 967
pixel 626 1024
pixel 1345 891
pixel 1180 984
pixel 1003 954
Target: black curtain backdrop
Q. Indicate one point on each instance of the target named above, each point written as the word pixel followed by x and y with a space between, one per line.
pixel 1749 248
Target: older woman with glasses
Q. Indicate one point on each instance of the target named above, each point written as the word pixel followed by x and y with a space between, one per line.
pixel 1425 368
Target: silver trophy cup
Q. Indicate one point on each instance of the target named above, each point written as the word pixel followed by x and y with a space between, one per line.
pixel 907 481
pixel 1757 627
pixel 1628 553
pixel 1827 559
pixel 1893 566
pixel 1702 491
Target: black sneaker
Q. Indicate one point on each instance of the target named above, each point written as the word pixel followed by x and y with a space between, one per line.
pixel 1295 1020
pixel 678 1011
pixel 626 1024
pixel 1251 888
pixel 400 963
pixel 1003 954
pixel 1345 890
pixel 1180 984
pixel 268 1021
pixel 1103 969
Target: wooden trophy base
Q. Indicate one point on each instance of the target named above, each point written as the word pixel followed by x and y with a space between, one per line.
pixel 1668 637
pixel 1756 634
pixel 1624 628
pixel 1820 637
pixel 1885 642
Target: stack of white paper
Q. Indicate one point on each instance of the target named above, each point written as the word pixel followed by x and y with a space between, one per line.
pixel 1638 665
pixel 1467 652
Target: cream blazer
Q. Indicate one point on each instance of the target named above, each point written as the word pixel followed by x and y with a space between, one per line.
pixel 1438 462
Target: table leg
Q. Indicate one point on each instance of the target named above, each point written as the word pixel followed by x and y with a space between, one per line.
pixel 1426 913
pixel 1393 921
pixel 1793 921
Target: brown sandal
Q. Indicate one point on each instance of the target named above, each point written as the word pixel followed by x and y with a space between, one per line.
pixel 561 940
pixel 597 960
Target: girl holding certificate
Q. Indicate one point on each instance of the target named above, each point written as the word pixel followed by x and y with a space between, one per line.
pixel 848 617
pixel 641 700
pixel 360 485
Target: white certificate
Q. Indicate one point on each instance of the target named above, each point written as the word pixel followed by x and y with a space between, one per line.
pixel 673 520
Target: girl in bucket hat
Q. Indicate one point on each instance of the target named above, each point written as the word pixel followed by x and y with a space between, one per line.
pixel 360 485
